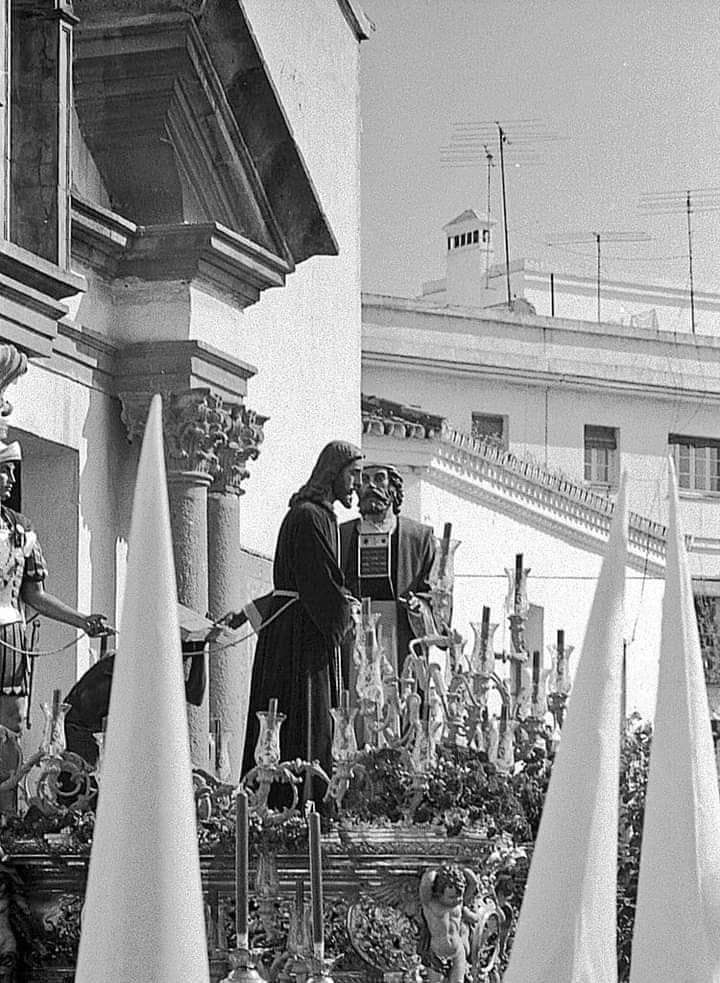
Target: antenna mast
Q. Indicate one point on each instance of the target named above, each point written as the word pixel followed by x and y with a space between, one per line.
pixel 691 201
pixel 501 140
pixel 489 158
pixel 692 285
pixel 568 239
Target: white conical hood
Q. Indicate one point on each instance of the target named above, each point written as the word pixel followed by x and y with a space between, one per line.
pixel 143 920
pixel 567 927
pixel 677 921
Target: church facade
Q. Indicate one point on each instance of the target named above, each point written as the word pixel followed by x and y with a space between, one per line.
pixel 180 214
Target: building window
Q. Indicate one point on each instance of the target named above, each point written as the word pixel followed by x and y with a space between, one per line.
pixel 449 242
pixel 697 462
pixel 486 235
pixel 601 456
pixel 490 429
pixel 476 236
pixel 457 241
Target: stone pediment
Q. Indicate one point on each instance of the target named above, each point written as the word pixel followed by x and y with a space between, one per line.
pixel 180 114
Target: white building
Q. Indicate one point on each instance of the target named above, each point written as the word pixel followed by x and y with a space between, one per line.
pixel 516 426
pixel 474 278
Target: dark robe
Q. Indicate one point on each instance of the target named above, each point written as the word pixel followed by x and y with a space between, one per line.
pixel 297 656
pixel 412 552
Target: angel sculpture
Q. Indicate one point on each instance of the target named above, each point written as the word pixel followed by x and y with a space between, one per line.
pixel 447 897
pixel 459 930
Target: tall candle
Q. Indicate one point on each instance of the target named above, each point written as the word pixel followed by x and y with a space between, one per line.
pixel 518 678
pixel 485 630
pixel 518 579
pixel 241 870
pixel 444 549
pixel 316 890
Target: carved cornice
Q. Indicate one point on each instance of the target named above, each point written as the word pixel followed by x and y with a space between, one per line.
pixel 383 417
pixel 176 366
pixel 31 291
pixel 205 252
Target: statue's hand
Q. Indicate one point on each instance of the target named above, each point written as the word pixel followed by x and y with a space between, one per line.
pixel 96 625
pixel 413 602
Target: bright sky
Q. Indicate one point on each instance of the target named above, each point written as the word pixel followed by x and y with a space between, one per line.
pixel 631 86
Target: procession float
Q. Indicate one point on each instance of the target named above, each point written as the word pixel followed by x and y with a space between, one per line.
pixel 413 864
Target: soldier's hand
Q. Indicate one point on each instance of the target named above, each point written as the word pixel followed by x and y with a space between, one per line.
pixel 96 625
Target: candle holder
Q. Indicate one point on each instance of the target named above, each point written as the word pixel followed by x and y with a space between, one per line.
pixel 368 658
pixel 320 966
pixel 53 741
pixel 244 969
pixel 269 769
pixel 482 657
pixel 505 761
pixel 442 579
pixel 344 749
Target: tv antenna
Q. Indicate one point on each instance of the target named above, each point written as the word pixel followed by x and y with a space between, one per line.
pixel 598 237
pixel 490 164
pixel 691 201
pixel 515 140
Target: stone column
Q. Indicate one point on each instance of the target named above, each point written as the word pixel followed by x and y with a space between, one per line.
pixel 230 668
pixel 194 427
pixel 41 100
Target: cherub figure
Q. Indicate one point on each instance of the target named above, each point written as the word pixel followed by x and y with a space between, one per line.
pixel 447 897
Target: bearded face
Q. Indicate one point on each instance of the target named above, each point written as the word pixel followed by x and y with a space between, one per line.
pixel 377 494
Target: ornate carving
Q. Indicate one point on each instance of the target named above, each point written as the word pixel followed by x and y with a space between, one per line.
pixel 13 364
pixel 202 434
pixel 193 424
pixel 243 436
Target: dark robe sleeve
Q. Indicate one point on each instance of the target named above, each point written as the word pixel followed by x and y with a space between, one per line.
pixel 319 578
pixel 416 557
pixel 427 560
pixel 348 555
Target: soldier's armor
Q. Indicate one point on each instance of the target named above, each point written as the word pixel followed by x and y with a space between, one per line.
pixel 16 545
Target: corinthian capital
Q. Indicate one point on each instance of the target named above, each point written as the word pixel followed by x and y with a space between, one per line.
pixel 243 436
pixel 195 425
